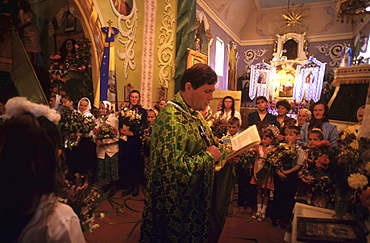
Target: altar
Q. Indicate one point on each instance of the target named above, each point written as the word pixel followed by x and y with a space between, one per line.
pixel 290 74
pixel 314 224
pixel 351 89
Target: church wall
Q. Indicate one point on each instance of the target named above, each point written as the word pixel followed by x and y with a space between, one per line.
pixel 217 31
pixel 252 50
pixel 143 70
pixel 155 23
pixel 45 12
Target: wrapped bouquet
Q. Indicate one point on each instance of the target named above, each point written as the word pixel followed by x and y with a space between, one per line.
pixel 74 125
pixel 105 131
pixel 130 119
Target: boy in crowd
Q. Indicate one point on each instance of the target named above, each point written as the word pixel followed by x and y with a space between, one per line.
pixel 287 181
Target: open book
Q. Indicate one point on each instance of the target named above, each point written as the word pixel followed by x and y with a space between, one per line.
pixel 244 141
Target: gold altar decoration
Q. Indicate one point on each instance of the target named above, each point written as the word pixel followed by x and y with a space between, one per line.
pixel 294 16
pixel 350 10
pixel 359 74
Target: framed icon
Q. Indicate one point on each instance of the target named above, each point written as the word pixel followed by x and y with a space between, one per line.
pixel 128 89
pixel 70 23
pixel 195 57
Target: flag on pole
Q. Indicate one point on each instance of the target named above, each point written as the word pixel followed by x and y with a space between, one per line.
pixel 108 87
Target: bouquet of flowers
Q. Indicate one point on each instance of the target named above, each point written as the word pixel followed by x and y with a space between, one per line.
pixel 247 159
pixel 283 154
pixel 84 198
pixel 349 172
pixel 219 128
pixel 83 55
pixel 130 119
pixel 74 125
pixel 105 131
pixel 317 186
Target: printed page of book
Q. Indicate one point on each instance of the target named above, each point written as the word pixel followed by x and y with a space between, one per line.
pixel 244 141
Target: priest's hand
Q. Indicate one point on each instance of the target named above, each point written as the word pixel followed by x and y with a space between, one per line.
pixel 216 154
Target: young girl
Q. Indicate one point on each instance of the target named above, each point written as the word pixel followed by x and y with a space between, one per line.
pixel 265 183
pixel 305 188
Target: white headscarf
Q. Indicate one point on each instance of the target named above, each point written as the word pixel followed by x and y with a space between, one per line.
pixel 87 112
pixel 107 105
pixel 58 103
pixel 18 105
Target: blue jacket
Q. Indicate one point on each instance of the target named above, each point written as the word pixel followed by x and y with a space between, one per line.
pixel 329 131
pixel 254 119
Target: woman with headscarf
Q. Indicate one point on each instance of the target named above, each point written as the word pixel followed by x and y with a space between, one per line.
pixel 107 146
pixel 55 102
pixel 82 157
pixel 319 119
pixel 131 161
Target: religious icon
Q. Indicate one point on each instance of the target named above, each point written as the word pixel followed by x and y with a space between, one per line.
pixel 287 85
pixel 346 56
pixel 261 79
pixel 70 23
pixel 112 92
pixel 123 6
pixel 161 93
pixel 309 78
pixel 128 89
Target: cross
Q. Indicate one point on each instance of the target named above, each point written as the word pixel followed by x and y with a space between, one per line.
pixel 110 30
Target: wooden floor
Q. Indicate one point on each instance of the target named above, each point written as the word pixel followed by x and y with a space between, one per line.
pixel 120 226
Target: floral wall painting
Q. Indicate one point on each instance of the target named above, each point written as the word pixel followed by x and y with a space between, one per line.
pixel 70 23
pixel 128 89
pixel 162 93
pixel 195 57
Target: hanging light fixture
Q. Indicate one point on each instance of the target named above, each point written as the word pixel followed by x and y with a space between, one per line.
pixel 350 10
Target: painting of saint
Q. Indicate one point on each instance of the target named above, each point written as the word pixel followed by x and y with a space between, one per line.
pixel 309 78
pixel 261 78
pixel 122 6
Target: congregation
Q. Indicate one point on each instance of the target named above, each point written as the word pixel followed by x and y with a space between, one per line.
pixel 113 149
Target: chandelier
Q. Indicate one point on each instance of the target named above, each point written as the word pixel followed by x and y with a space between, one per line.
pixel 349 10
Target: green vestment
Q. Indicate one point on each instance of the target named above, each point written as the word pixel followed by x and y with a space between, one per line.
pixel 179 192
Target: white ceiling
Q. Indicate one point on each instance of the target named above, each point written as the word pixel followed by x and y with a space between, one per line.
pixel 265 4
pixel 258 21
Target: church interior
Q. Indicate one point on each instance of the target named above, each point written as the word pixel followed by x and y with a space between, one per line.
pixel 301 51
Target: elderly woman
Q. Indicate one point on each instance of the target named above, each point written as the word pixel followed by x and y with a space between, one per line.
pixel 304 115
pixel 319 120
pixel 131 161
